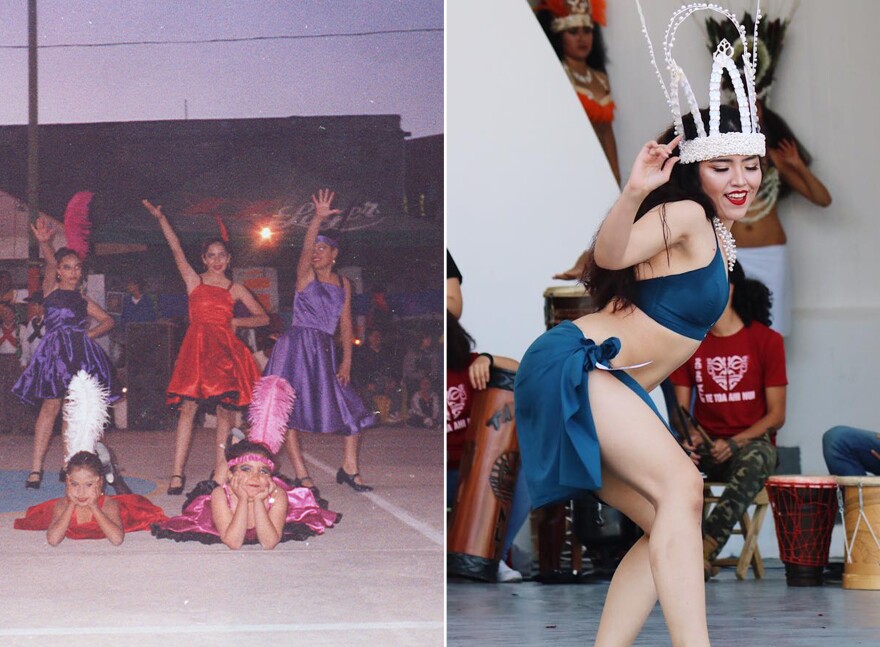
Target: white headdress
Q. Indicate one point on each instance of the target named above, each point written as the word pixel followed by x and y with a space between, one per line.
pixel 85 412
pixel 716 144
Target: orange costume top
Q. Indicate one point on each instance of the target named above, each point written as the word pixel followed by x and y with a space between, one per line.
pixel 597 111
pixel 136 512
pixel 213 364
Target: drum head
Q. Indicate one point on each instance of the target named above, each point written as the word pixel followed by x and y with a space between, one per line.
pixel 864 481
pixel 566 291
pixel 796 480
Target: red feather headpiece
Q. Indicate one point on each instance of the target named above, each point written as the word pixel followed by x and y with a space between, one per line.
pixel 270 408
pixel 77 227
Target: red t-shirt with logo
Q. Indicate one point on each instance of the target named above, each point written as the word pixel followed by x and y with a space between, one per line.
pixel 730 375
pixel 459 401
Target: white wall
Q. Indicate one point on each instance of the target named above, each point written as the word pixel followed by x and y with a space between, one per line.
pixel 527 183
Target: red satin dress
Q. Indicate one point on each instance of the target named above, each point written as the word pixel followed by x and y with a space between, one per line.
pixel 136 512
pixel 213 364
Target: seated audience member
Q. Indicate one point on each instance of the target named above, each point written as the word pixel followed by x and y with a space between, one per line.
pixel 32 332
pixel 375 377
pixel 13 415
pixel 422 361
pixel 738 377
pixel 467 372
pixel 424 407
pixel 849 451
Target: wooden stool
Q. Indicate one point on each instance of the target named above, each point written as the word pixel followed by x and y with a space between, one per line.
pixel 749 527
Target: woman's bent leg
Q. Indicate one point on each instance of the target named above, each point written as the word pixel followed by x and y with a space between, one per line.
pixel 639 450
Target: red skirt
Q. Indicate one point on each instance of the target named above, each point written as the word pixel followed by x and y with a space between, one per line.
pixel 213 365
pixel 136 512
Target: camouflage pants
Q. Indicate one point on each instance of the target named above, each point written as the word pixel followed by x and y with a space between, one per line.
pixel 745 474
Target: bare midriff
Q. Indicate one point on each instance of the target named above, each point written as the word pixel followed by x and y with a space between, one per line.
pixel 767 231
pixel 641 340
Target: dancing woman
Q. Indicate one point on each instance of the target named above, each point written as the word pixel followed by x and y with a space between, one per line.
pixel 305 357
pixel 213 365
pixel 67 347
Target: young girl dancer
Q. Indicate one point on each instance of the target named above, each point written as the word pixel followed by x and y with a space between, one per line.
pixel 67 347
pixel 305 357
pixel 213 365
pixel 84 512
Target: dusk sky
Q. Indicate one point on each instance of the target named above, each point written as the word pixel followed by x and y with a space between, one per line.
pixel 398 73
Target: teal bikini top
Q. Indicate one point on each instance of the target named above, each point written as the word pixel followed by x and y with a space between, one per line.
pixel 688 303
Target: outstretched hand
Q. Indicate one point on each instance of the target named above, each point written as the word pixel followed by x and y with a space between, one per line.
pixel 156 210
pixel 43 230
pixel 652 167
pixel 322 203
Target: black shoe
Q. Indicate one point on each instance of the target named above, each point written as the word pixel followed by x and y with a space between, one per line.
pixel 344 477
pixel 179 489
pixel 120 486
pixel 34 485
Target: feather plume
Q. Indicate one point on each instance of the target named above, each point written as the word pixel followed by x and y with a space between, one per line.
pixel 85 412
pixel 77 227
pixel 224 234
pixel 270 408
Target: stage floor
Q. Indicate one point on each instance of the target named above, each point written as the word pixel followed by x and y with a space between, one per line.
pixel 375 579
pixel 753 612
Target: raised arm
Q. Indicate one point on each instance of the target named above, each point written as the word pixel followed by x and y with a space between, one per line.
pixel 43 232
pixel 346 332
pixel 798 175
pixel 322 202
pixel 189 275
pixel 615 247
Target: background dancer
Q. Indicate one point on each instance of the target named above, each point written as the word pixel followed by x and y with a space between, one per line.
pixel 213 365
pixel 67 347
pixel 304 355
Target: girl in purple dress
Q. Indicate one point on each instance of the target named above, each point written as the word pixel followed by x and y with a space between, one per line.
pixel 304 355
pixel 67 347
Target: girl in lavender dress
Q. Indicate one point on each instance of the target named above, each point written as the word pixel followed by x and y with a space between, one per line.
pixel 304 355
pixel 67 347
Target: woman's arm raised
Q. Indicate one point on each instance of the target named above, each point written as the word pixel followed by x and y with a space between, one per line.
pixel 189 275
pixel 322 202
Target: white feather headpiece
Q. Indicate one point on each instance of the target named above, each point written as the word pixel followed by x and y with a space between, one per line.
pixel 85 412
pixel 749 141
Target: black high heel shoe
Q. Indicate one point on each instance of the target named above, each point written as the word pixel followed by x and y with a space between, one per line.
pixel 344 477
pixel 179 489
pixel 34 485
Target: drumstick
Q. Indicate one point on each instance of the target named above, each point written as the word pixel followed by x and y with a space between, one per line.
pixel 696 425
pixel 682 424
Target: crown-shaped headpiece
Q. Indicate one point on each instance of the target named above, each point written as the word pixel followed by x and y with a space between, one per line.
pixel 569 14
pixel 716 144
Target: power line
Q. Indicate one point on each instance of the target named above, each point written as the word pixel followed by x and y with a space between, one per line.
pixel 358 34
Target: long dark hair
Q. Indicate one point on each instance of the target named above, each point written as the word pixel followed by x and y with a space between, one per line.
pixel 619 286
pixel 598 58
pixel 458 344
pixel 751 299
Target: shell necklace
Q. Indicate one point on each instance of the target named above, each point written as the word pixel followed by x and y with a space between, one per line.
pixel 727 242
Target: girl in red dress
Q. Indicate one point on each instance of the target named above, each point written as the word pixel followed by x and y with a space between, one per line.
pixel 213 365
pixel 84 512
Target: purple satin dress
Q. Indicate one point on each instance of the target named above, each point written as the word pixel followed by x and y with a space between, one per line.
pixel 305 518
pixel 305 357
pixel 64 350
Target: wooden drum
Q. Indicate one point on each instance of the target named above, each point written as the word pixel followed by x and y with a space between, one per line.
pixel 861 503
pixel 566 302
pixel 803 512
pixel 489 466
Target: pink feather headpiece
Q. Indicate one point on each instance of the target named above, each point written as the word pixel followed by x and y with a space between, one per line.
pixel 77 227
pixel 270 408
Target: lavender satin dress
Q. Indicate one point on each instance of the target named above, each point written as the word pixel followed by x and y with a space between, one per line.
pixel 64 350
pixel 305 357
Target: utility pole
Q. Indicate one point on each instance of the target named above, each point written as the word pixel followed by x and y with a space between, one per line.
pixel 33 167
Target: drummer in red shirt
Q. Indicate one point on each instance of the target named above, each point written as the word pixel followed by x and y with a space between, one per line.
pixel 737 383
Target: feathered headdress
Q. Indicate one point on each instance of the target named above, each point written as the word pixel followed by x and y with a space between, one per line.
pixel 574 13
pixel 85 412
pixel 77 227
pixel 270 408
